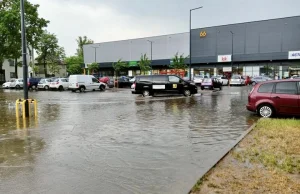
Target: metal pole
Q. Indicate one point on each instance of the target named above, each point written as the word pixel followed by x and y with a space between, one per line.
pixel 151 59
pixel 190 64
pixel 231 52
pixel 25 67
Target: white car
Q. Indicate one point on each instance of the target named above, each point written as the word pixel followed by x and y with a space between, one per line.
pixel 223 80
pixel 237 80
pixel 198 79
pixel 17 83
pixel 8 83
pixel 60 84
pixel 85 82
pixel 44 83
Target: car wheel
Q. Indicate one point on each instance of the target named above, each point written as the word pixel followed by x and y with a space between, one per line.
pixel 220 88
pixel 82 89
pixel 265 111
pixel 202 88
pixel 187 92
pixel 33 87
pixel 253 83
pixel 146 93
pixel 211 87
pixel 17 87
pixel 46 87
pixel 102 87
pixel 61 88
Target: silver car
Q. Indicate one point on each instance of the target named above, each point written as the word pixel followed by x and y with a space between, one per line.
pixel 237 80
pixel 198 79
pixel 259 79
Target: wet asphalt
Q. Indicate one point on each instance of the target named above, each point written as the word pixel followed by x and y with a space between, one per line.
pixel 117 142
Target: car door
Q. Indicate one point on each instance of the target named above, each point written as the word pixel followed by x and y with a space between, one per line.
pixel 174 84
pixel 286 98
pixel 159 83
pixel 95 84
pixel 64 83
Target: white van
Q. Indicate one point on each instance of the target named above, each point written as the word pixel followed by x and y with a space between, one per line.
pixel 85 82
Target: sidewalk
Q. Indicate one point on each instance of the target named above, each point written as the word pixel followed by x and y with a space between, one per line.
pixel 267 160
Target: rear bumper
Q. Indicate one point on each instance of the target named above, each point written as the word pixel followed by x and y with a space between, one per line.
pixel 251 107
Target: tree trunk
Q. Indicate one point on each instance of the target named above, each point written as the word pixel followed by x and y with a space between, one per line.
pixel 45 68
pixel 16 68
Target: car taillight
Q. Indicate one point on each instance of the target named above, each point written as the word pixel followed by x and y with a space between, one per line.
pixel 28 83
pixel 133 84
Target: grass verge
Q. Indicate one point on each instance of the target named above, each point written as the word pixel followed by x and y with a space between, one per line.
pixel 267 160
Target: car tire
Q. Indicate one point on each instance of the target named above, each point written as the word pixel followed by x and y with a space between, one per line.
pixel 146 93
pixel 265 111
pixel 102 87
pixel 82 89
pixel 33 87
pixel 46 87
pixel 17 87
pixel 220 88
pixel 187 92
pixel 211 87
pixel 61 88
pixel 202 88
pixel 253 83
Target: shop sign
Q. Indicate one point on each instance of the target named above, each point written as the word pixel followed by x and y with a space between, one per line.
pixel 132 63
pixel 294 54
pixel 224 58
pixel 202 34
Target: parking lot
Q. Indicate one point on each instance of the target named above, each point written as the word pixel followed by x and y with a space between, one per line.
pixel 117 142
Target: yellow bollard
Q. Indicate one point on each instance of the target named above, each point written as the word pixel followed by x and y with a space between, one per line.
pixel 22 102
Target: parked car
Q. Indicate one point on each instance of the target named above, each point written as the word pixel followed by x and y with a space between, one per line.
pixel 237 80
pixel 59 84
pixel 223 79
pixel 198 79
pixel 85 82
pixel 211 83
pixel 33 82
pixel 17 83
pixel 123 82
pixel 280 97
pixel 8 83
pixel 45 83
pixel 108 81
pixel 295 77
pixel 169 84
pixel 259 79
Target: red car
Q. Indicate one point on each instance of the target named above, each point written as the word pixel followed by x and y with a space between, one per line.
pixel 280 97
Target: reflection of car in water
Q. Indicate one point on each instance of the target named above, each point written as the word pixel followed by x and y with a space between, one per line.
pixel 211 83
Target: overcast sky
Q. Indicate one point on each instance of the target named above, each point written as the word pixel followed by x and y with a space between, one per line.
pixel 107 20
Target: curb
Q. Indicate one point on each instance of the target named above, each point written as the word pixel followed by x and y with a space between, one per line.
pixel 237 141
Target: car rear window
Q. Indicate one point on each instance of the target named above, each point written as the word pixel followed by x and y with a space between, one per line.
pixel 145 79
pixel 286 88
pixel 266 88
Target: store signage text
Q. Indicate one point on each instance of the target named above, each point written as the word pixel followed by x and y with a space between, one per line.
pixel 294 54
pixel 202 34
pixel 224 58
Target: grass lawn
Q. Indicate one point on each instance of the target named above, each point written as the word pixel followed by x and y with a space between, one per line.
pixel 267 160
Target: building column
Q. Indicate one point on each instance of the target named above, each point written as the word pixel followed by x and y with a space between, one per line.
pixel 129 72
pixel 215 71
pixel 84 71
pixel 280 72
pixel 192 73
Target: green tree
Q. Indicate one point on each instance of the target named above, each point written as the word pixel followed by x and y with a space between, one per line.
pixel 94 67
pixel 118 66
pixel 74 64
pixel 10 29
pixel 48 50
pixel 178 62
pixel 144 63
pixel 80 42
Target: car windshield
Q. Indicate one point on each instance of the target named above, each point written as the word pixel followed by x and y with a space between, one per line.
pixel 236 77
pixel 207 80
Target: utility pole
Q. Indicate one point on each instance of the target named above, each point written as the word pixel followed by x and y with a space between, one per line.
pixel 190 64
pixel 231 51
pixel 24 54
pixel 151 54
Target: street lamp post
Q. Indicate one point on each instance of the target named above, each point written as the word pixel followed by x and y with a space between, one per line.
pixel 95 61
pixel 231 50
pixel 25 67
pixel 151 54
pixel 190 64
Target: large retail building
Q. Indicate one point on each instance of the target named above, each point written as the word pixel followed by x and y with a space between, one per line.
pixel 268 47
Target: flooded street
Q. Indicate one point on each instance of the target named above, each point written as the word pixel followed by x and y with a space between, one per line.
pixel 116 142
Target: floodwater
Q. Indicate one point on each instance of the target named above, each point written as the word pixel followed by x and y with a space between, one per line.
pixel 116 142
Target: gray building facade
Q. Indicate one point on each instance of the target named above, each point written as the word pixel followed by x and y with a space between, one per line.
pixel 269 47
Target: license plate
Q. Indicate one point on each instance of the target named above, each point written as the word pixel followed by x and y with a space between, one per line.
pixel 206 87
